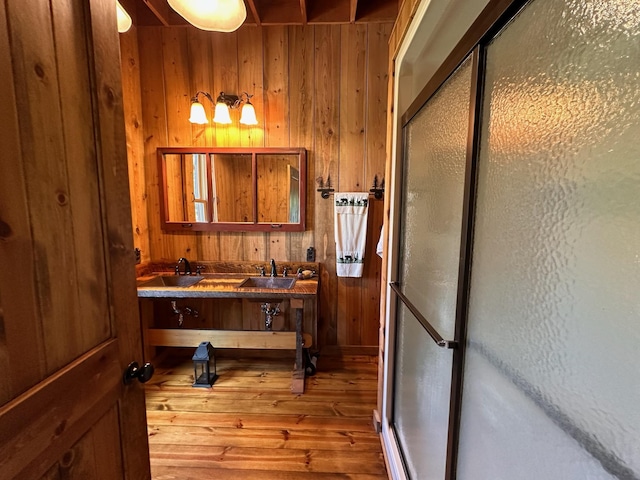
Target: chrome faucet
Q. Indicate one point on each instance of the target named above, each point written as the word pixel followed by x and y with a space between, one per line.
pixel 187 266
pixel 273 268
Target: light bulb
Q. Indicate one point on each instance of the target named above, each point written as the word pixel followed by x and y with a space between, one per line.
pixel 248 116
pixel 222 113
pixel 197 114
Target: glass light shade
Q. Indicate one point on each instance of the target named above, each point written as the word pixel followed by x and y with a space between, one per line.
pixel 197 114
pixel 222 114
pixel 213 15
pixel 124 20
pixel 248 116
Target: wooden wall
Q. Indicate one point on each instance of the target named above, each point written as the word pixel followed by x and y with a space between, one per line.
pixel 322 87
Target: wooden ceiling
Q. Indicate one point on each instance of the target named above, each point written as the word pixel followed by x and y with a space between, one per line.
pixel 278 12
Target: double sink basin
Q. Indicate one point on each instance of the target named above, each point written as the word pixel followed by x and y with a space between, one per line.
pixel 259 283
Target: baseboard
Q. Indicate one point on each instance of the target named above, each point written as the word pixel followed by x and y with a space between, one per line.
pixel 350 351
pixel 377 422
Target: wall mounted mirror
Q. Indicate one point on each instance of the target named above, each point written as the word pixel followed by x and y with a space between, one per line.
pixel 232 189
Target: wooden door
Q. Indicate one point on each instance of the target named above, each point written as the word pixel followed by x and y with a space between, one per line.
pixel 68 310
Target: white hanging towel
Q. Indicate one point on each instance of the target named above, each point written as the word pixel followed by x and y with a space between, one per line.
pixel 379 248
pixel 351 211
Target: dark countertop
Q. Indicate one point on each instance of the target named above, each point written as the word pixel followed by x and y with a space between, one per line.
pixel 225 285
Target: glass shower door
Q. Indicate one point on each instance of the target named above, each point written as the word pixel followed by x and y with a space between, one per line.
pixel 430 231
pixel 552 384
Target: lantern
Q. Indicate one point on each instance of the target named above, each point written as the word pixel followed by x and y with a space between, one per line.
pixel 204 366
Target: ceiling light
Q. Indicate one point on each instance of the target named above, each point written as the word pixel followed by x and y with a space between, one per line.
pixel 213 15
pixel 124 20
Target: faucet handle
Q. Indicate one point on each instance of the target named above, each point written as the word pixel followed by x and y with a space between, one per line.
pixel 262 270
pixel 199 269
pixel 177 269
pixel 285 271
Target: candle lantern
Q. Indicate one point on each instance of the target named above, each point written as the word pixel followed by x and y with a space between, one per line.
pixel 204 366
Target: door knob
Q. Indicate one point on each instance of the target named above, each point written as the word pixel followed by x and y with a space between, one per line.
pixel 143 374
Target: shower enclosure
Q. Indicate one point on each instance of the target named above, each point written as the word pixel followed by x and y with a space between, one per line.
pixel 517 284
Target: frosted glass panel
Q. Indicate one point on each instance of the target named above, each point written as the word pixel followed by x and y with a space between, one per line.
pixel 433 192
pixel 555 294
pixel 532 446
pixel 421 409
pixel 434 172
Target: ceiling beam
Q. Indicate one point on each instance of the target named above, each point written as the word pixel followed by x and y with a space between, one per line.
pixel 281 12
pixel 353 10
pixel 254 11
pixel 160 9
pixel 303 11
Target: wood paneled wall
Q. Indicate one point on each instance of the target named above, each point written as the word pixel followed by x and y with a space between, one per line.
pixel 321 87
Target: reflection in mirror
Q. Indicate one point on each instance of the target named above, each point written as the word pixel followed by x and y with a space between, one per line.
pixel 294 194
pixel 186 188
pixel 278 188
pixel 231 187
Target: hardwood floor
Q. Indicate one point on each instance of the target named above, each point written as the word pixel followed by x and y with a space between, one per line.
pixel 249 426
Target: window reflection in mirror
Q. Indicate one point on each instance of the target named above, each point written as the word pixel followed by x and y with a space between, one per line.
pixel 232 189
pixel 186 188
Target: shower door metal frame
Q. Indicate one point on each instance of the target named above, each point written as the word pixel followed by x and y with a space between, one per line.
pixel 496 16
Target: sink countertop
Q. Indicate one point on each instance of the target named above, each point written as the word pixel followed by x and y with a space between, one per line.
pixel 224 285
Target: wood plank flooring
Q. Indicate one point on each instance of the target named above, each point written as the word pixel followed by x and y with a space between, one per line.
pixel 250 426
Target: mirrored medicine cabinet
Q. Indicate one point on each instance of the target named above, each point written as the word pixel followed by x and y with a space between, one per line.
pixel 232 189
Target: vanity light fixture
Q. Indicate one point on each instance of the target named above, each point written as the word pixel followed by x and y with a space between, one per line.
pixel 124 20
pixel 212 15
pixel 222 104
